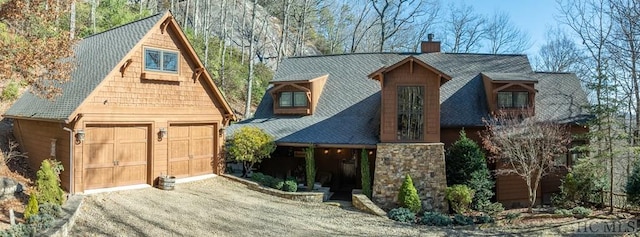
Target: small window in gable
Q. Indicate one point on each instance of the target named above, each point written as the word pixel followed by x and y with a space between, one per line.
pixel 160 60
pixel 293 99
pixel 513 99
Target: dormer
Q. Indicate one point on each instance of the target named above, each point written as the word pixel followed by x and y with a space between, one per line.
pixel 510 93
pixel 297 94
pixel 410 101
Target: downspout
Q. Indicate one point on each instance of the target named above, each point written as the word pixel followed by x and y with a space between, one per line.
pixel 71 173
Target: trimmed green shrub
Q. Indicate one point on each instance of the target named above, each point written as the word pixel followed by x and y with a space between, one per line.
pixel 48 183
pixel 460 219
pixel 10 91
pixel 258 178
pixel 633 186
pixel 435 219
pixel 365 173
pixel 510 217
pixel 41 222
pixel 408 195
pixel 277 183
pixel 563 212
pixel 462 159
pixel 402 215
pixel 310 167
pixel 459 197
pixel 483 219
pixel 51 209
pixel 493 209
pixel 32 207
pixel 581 212
pixel 18 230
pixel 290 186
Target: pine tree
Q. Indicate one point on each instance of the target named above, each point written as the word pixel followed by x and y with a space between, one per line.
pixel 32 207
pixel 408 195
pixel 48 184
pixel 462 159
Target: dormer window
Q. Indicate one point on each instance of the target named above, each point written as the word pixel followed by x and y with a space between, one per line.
pixel 160 60
pixel 293 99
pixel 513 99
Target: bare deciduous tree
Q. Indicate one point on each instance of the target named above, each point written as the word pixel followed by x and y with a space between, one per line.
pixel 503 36
pixel 559 54
pixel 394 16
pixel 466 28
pixel 525 148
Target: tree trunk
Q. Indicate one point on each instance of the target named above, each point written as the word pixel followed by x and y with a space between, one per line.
pixel 207 34
pixel 72 20
pixel 224 43
pixel 283 34
pixel 186 14
pixel 232 27
pixel 303 29
pixel 94 5
pixel 247 110
pixel 244 19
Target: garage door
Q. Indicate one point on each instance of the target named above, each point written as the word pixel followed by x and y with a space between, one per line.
pixel 115 156
pixel 191 149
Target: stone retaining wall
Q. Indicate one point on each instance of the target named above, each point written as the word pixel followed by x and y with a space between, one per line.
pixel 297 196
pixel 424 162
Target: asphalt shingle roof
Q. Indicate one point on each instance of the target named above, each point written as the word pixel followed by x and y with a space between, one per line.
pixel 95 56
pixel 498 76
pixel 348 109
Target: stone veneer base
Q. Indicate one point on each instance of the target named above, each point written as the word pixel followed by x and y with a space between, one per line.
pixel 424 162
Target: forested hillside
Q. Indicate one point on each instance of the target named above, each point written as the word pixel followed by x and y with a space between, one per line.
pixel 240 43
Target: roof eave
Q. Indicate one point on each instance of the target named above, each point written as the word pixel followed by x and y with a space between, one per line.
pixel 35 118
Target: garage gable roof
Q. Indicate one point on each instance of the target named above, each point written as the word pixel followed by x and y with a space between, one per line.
pixel 96 57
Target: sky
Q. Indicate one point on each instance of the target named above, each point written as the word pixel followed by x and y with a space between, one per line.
pixel 531 16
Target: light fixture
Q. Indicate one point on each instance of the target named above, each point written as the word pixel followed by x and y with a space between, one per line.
pixel 221 131
pixel 339 151
pixel 326 151
pixel 370 152
pixel 162 134
pixel 79 136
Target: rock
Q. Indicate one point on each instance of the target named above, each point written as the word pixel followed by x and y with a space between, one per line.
pixel 9 188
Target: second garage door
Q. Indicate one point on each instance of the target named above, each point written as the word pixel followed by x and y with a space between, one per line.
pixel 191 149
pixel 115 155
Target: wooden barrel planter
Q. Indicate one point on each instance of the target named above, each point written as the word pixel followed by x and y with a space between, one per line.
pixel 166 182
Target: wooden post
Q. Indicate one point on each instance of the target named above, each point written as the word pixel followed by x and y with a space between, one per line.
pixel 12 216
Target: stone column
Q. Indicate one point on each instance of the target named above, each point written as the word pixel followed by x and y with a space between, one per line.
pixel 424 162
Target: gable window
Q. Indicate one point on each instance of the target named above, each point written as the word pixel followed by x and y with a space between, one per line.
pixel 410 112
pixel 513 99
pixel 293 99
pixel 160 60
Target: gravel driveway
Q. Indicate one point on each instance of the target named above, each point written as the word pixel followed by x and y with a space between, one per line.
pixel 220 207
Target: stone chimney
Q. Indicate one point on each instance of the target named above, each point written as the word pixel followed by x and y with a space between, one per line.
pixel 430 46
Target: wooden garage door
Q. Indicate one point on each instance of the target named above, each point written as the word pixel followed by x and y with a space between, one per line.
pixel 115 156
pixel 191 149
